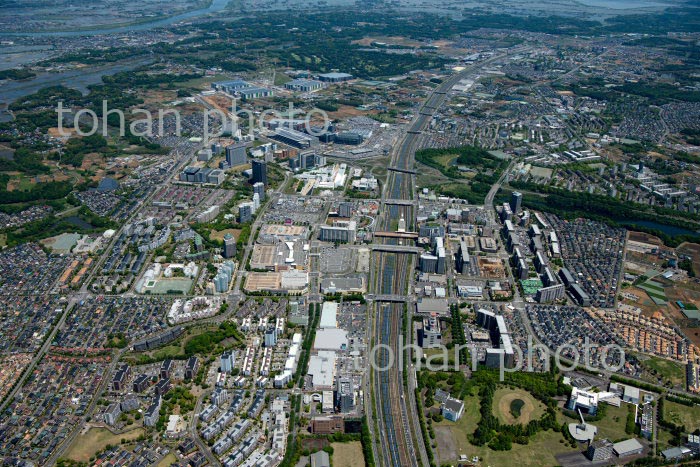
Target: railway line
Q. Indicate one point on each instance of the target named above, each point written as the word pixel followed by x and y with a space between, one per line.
pixel 401 441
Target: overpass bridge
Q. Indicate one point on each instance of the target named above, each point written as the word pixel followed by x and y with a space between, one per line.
pixel 401 202
pixel 389 298
pixel 398 169
pixel 398 249
pixel 406 235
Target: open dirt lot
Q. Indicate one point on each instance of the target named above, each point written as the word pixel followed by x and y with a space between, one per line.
pixel 348 454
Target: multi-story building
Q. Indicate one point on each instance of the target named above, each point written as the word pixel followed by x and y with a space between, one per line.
pixel 260 172
pixel 245 212
pixel 229 246
pixel 463 259
pixel 430 335
pixel 191 367
pixel 141 383
pixel 166 369
pixel 162 387
pixel 516 201
pixel 550 294
pixel 340 231
pixel 112 414
pixel 345 209
pixel 236 154
pixel 271 337
pixel 152 414
pixel 345 395
pixel 228 361
pixel 259 189
pixel 119 380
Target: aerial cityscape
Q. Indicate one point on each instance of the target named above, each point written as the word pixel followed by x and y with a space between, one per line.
pixel 391 233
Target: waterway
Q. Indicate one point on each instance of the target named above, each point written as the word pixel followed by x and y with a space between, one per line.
pixel 216 5
pixel 78 79
pixel 667 229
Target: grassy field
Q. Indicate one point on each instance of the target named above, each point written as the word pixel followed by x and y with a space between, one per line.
pixel 663 438
pixel 167 461
pixel 219 235
pixel 348 454
pixel 96 439
pixel 682 415
pixel 667 369
pixel 541 450
pixel 453 440
pixel 612 426
pixel 281 78
pixel 503 399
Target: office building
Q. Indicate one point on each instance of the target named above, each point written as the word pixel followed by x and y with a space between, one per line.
pixel 294 138
pixel 345 395
pixel 236 154
pixel 440 253
pixel 345 210
pixel 260 172
pixel 229 246
pixel 204 155
pixel 308 159
pixel 205 175
pixel 216 177
pixel 463 260
pixel 430 335
pixel 428 263
pixel 349 138
pixel 431 231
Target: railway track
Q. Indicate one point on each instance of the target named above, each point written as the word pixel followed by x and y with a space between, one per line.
pixel 394 418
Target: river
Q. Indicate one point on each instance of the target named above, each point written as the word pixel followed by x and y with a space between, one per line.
pixel 667 229
pixel 78 79
pixel 216 5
